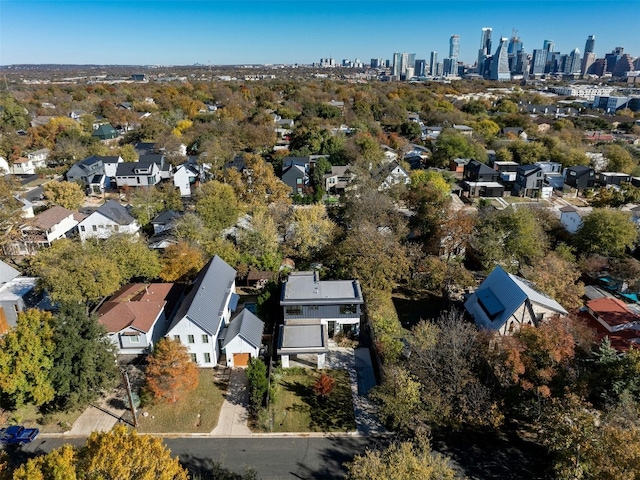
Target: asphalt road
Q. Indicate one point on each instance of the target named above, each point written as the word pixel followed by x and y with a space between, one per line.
pixel 272 458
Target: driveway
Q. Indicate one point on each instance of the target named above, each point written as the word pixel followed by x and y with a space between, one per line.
pixel 234 415
pixel 100 416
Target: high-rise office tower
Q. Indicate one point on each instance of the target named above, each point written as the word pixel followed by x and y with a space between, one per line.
pixel 549 45
pixel 454 46
pixel 397 60
pixel 420 68
pixel 587 62
pixel 500 62
pixel 590 45
pixel 572 63
pixel 539 61
pixel 485 50
pixel 613 58
pixel 450 66
pixel 515 47
pixel 433 66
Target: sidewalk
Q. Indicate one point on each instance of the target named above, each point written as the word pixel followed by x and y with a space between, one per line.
pixel 234 416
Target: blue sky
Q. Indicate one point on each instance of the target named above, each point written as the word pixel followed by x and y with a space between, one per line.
pixel 173 32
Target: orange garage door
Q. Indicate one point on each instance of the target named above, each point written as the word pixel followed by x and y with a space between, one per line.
pixel 240 359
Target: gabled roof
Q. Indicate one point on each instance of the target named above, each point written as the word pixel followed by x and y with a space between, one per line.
pixel 500 295
pixel 116 212
pixel 528 169
pixel 205 303
pixel 47 219
pixel 166 217
pixel 247 326
pixel 7 273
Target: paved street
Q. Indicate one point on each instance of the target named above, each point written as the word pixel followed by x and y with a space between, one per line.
pixel 272 457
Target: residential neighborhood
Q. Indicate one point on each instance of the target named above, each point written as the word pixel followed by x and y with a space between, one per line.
pixel 309 256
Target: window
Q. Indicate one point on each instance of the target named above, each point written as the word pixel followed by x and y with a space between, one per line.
pixel 134 339
pixel 205 338
pixel 94 228
pixel 207 358
pixel 194 358
pixel 348 309
pixel 191 339
pixel 176 337
pixel 293 310
pixel 313 307
pixel 101 227
pixel 82 228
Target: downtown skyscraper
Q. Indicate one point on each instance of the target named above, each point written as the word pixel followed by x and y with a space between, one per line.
pixel 485 51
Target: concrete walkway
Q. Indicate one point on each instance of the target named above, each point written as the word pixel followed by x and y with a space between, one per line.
pixel 98 417
pixel 358 363
pixel 234 415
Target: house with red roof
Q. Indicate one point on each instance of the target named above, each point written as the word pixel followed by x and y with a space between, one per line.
pixel 611 317
pixel 135 316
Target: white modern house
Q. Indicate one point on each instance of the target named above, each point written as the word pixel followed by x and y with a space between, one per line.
pixel 185 179
pixel 107 220
pixel 205 311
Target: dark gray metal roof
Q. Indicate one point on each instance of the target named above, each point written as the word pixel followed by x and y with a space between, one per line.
pixel 205 303
pixel 116 212
pixel 248 326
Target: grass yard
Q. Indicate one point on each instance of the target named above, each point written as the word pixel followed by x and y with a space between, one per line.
pixel 31 417
pixel 297 409
pixel 198 412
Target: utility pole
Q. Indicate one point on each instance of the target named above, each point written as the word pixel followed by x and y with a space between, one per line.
pixel 127 384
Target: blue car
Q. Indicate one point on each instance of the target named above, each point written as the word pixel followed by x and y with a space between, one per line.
pixel 18 435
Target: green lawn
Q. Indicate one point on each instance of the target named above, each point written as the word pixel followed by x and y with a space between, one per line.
pixel 30 416
pixel 196 413
pixel 297 409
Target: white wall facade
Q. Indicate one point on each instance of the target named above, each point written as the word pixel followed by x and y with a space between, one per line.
pixel 97 225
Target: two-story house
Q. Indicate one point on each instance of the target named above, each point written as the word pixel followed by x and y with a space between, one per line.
pixel 44 229
pixel 529 180
pixel 17 293
pixel 135 316
pixel 185 178
pixel 605 179
pixel 86 171
pixel 480 180
pixel 392 174
pixel 147 171
pixel 109 219
pixel 337 181
pixel 205 311
pixel 508 173
pixel 315 310
pixel 579 177
pixel 295 173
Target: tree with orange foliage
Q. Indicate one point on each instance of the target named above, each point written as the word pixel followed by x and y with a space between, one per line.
pixel 182 261
pixel 170 374
pixel 536 360
pixel 323 386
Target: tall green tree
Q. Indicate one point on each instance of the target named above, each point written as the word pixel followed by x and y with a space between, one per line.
pixel 66 194
pixel 83 359
pixel 606 232
pixel 26 359
pixel 217 205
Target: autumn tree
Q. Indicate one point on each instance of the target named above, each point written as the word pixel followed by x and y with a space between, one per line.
pixel 123 453
pixel 59 464
pixel 130 253
pixel 606 232
pixel 401 461
pixel 449 145
pixel 257 185
pixel 259 241
pixel 323 386
pixel 535 363
pixel 66 194
pixel 26 359
pixel 83 365
pixel 372 255
pixel 557 277
pixel 311 230
pixel 620 160
pixel 171 374
pixel 181 261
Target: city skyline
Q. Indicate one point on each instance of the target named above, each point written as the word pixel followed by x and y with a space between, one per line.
pixel 169 32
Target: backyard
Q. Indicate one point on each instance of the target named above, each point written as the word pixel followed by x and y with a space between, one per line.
pixel 296 408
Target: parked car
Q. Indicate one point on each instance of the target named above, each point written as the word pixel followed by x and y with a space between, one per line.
pixel 18 435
